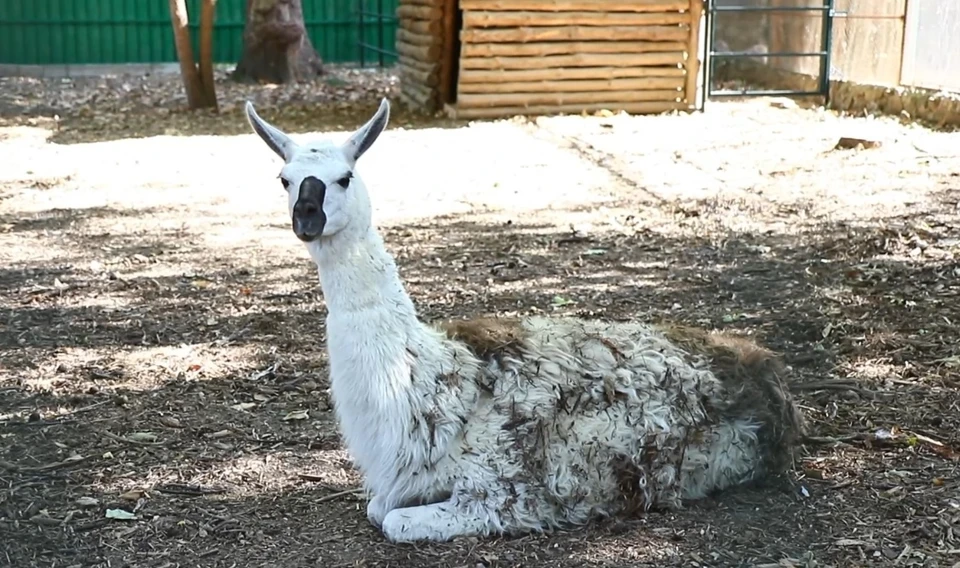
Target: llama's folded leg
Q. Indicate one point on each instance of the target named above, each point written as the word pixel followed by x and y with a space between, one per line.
pixel 728 455
pixel 438 522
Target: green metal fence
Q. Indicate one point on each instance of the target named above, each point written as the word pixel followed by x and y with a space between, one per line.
pixel 75 32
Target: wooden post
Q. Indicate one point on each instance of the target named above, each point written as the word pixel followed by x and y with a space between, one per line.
pixel 693 53
pixel 188 66
pixel 448 58
pixel 908 55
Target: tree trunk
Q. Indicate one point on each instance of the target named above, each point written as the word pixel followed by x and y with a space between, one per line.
pixel 208 12
pixel 276 47
pixel 198 84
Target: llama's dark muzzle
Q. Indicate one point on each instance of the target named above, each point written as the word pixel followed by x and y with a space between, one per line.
pixel 308 216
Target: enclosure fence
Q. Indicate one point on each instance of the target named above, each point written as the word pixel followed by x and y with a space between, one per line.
pixel 880 42
pixel 381 16
pixel 78 32
pixel 768 50
pixel 799 46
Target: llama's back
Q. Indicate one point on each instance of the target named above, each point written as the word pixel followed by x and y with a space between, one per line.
pixel 609 416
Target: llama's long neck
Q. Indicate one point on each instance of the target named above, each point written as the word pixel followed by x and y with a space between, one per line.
pixel 373 336
pixel 358 274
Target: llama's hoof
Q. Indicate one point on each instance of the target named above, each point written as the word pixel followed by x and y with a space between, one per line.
pixel 376 511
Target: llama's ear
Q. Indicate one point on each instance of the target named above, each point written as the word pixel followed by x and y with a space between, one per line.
pixel 279 142
pixel 361 140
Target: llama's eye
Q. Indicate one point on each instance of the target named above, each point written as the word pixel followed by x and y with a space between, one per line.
pixel 285 182
pixel 344 181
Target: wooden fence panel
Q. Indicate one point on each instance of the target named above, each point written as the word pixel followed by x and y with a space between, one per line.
pixel 868 41
pixel 931 56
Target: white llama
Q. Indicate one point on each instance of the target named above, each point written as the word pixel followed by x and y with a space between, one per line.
pixel 505 426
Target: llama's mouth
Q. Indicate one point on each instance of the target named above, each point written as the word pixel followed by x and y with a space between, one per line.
pixel 309 228
pixel 307 237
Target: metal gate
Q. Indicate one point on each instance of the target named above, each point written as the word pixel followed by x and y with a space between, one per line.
pixel 377 21
pixel 763 8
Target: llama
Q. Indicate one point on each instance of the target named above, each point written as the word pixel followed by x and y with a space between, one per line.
pixel 504 426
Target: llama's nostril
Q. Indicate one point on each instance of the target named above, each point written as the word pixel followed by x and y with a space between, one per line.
pixel 306 208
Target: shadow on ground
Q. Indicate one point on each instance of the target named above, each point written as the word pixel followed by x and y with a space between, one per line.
pixel 98 109
pixel 57 219
pixel 197 399
pixel 292 118
pixel 295 118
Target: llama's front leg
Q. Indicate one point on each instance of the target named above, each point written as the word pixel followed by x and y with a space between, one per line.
pixel 377 509
pixel 438 522
pixel 382 503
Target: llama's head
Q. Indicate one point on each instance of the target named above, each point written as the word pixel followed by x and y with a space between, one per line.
pixel 325 195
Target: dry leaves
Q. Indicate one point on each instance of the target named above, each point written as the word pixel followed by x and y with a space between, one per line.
pixel 85 109
pixel 96 97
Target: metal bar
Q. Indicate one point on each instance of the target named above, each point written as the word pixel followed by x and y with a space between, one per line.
pixel 307 23
pixel 761 93
pixel 838 14
pixel 196 24
pixel 739 54
pixel 709 36
pixel 827 38
pixel 752 9
pixel 380 33
pixel 376 16
pixel 360 14
pixel 704 67
pixel 376 49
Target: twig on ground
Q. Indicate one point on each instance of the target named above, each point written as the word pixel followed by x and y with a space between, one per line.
pixel 45 521
pixel 88 526
pixel 87 408
pixel 310 477
pixel 65 418
pixel 834 384
pixel 38 423
pixel 827 440
pixel 338 494
pixel 225 340
pixel 930 154
pixel 781 564
pixel 178 489
pixel 927 439
pixel 113 436
pixel 42 468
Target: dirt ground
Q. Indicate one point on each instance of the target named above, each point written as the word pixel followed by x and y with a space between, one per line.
pixel 162 342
